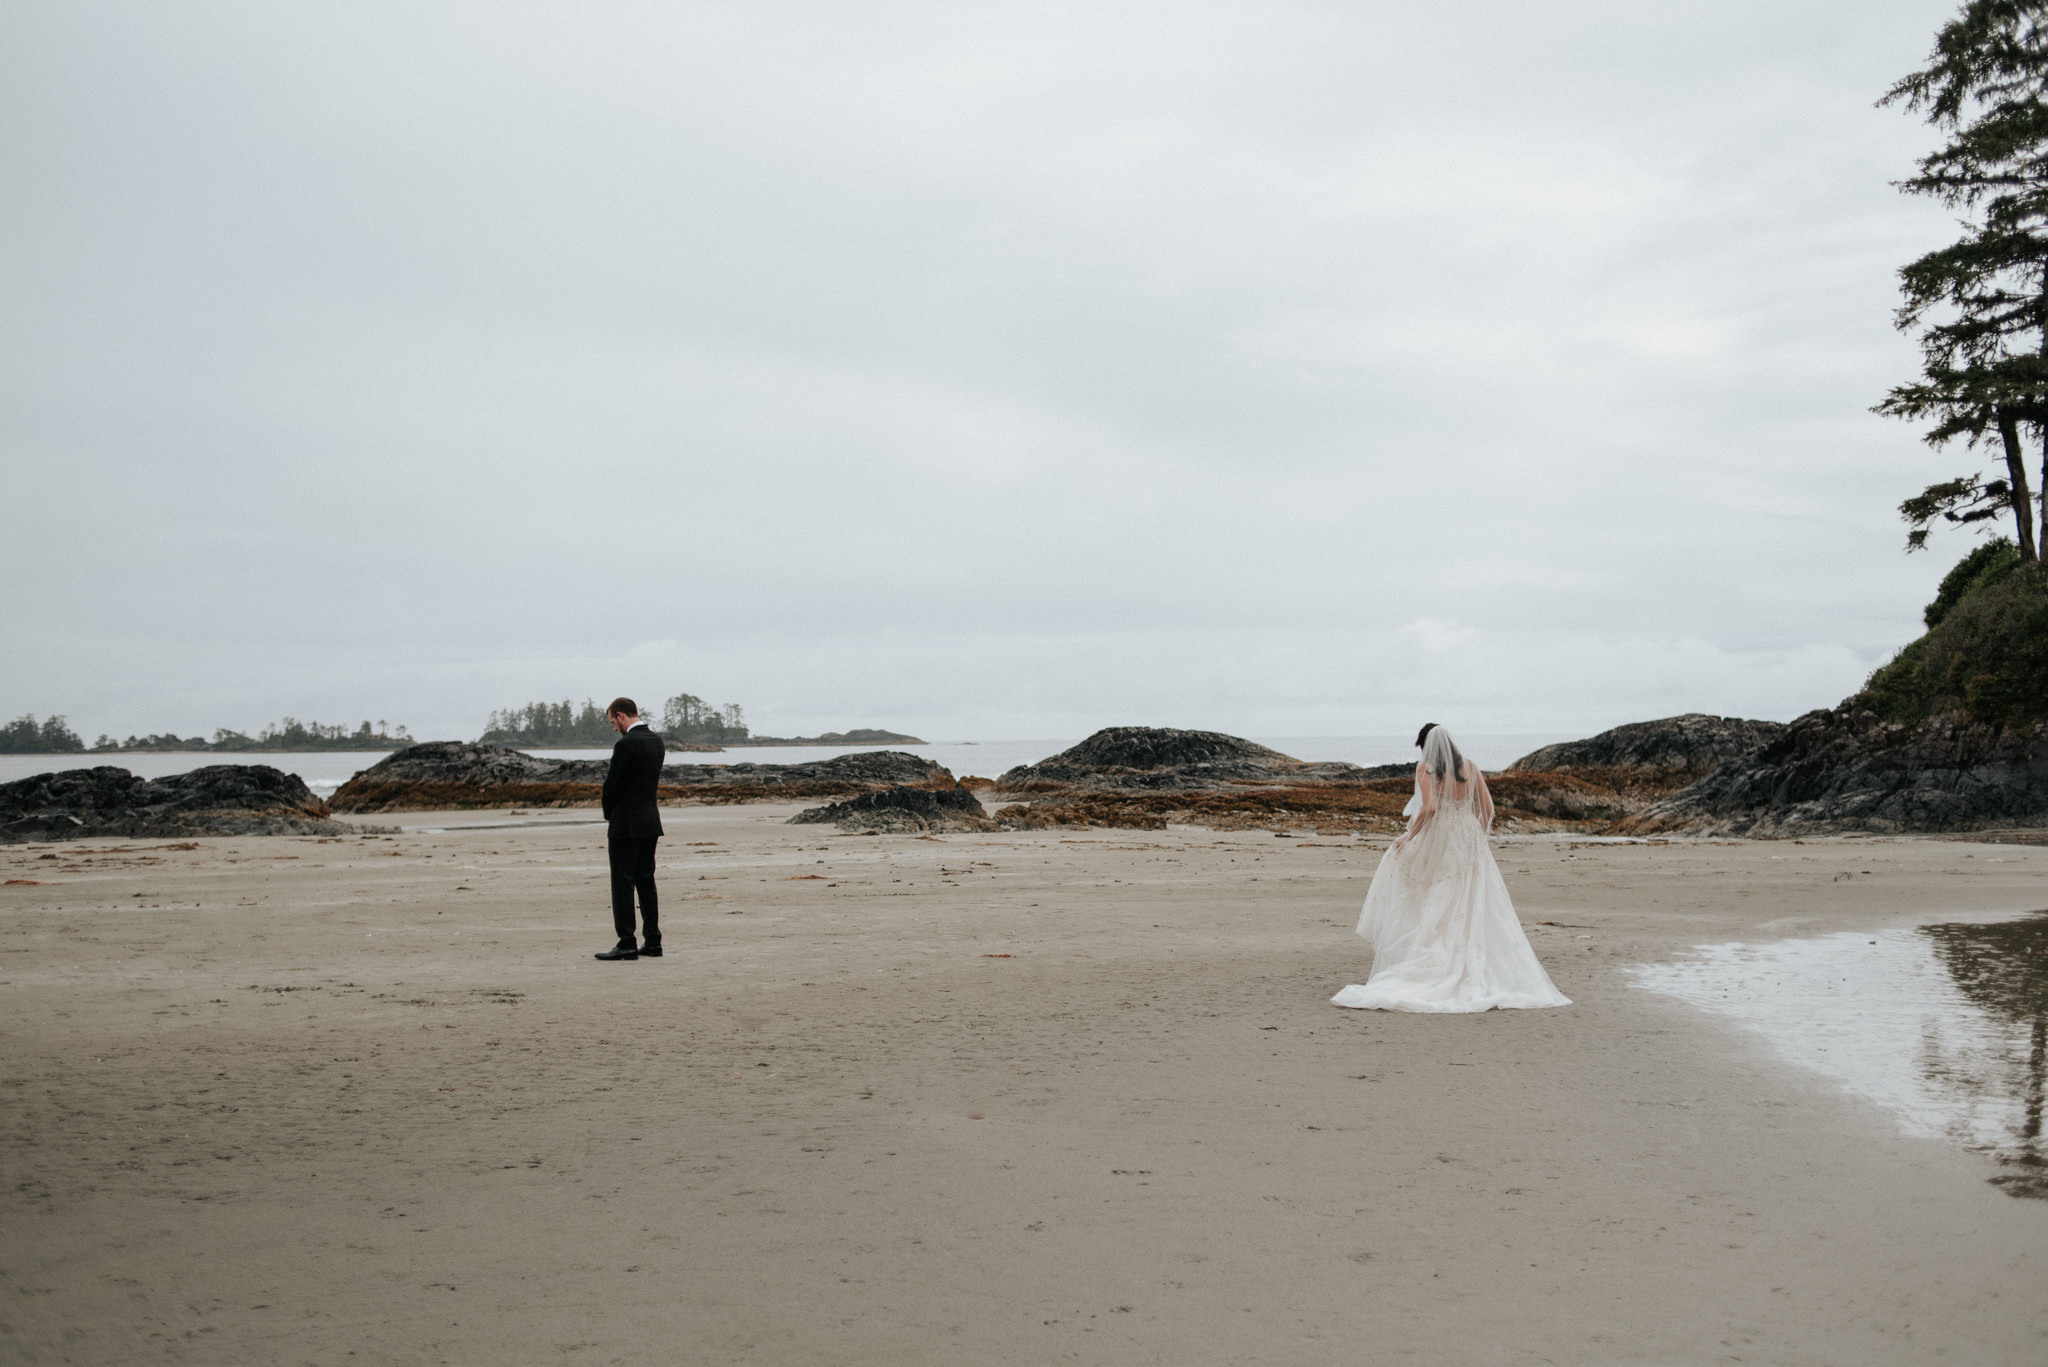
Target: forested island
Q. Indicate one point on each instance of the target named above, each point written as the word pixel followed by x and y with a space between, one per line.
pixel 685 719
pixel 861 736
pixel 563 725
pixel 54 736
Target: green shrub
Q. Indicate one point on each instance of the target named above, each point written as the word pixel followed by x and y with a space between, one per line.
pixel 1986 657
pixel 1975 572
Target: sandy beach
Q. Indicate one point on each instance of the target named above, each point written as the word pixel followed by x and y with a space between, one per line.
pixel 1013 1098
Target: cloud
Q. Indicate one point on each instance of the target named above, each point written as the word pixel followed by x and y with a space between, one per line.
pixel 1015 364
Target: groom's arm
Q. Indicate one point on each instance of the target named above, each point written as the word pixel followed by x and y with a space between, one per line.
pixel 612 777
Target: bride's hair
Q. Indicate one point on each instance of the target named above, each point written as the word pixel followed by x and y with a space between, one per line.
pixel 1440 753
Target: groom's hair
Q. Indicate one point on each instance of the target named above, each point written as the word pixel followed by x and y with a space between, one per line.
pixel 623 707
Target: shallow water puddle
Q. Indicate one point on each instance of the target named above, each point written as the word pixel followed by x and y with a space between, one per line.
pixel 1945 1026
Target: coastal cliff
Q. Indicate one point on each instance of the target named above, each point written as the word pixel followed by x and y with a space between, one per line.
pixel 1949 736
pixel 219 799
pixel 460 774
pixel 1847 769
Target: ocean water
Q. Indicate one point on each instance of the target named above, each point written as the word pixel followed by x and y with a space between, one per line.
pixel 325 770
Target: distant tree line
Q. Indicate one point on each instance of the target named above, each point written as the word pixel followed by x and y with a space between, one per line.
pixel 563 724
pixel 293 734
pixel 53 736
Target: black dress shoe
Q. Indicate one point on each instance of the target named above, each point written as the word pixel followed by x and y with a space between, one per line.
pixel 623 950
pixel 650 951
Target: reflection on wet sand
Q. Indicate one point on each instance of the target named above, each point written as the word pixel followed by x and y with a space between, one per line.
pixel 2003 969
pixel 1945 1026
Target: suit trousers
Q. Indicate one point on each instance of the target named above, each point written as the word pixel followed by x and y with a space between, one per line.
pixel 632 864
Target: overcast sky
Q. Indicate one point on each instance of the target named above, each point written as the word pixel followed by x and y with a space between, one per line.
pixel 981 370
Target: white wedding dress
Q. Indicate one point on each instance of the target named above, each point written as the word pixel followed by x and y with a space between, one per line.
pixel 1443 931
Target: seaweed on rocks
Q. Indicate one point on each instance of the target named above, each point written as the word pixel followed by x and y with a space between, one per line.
pixel 457 774
pixel 1141 778
pixel 1328 809
pixel 903 809
pixel 218 799
pixel 1523 802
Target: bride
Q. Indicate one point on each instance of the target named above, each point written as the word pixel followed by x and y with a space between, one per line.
pixel 1443 933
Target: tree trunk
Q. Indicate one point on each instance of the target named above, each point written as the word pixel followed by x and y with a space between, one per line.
pixel 2016 468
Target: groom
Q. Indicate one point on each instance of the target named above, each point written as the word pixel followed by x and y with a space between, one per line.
pixel 630 809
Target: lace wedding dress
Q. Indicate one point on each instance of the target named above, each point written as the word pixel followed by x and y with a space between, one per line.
pixel 1443 931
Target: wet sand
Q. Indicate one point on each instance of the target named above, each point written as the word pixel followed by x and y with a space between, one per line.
pixel 1020 1098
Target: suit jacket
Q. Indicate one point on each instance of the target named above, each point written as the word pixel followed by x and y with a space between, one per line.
pixel 631 800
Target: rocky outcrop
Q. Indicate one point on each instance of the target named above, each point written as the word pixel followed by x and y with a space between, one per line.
pixel 1142 778
pixel 903 810
pixel 1159 759
pixel 219 799
pixel 1845 769
pixel 1671 752
pixel 455 774
pixel 1619 773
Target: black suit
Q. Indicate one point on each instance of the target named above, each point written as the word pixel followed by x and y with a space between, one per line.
pixel 632 810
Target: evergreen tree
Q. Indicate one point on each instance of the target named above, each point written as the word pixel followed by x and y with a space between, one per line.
pixel 1980 306
pixel 683 717
pixel 23 736
pixel 688 717
pixel 550 724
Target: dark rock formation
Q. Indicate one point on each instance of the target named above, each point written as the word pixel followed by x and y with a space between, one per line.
pixel 860 772
pixel 1845 769
pixel 1141 777
pixel 443 761
pixel 902 809
pixel 1155 759
pixel 457 774
pixel 219 799
pixel 1672 751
